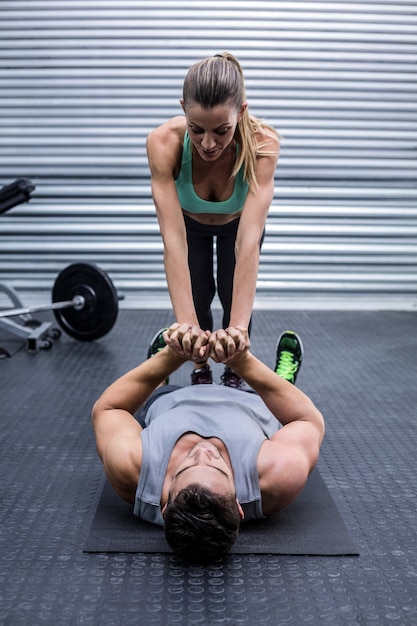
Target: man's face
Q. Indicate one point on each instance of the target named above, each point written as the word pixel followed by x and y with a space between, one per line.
pixel 205 466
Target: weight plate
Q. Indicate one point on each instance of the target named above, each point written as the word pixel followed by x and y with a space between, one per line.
pixel 99 312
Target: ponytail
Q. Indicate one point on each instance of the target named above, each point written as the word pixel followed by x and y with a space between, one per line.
pixel 219 79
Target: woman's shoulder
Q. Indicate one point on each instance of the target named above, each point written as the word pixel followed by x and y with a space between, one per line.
pixel 164 146
pixel 266 135
pixel 170 134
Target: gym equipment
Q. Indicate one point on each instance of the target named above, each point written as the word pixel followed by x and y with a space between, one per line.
pixel 11 195
pixel 84 302
pixel 95 301
pixel 17 192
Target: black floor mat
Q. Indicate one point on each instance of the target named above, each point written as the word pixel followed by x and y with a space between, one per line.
pixel 311 525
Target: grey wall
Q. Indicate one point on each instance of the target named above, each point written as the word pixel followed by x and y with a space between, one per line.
pixel 82 83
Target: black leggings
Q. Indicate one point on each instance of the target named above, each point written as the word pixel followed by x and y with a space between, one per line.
pixel 200 238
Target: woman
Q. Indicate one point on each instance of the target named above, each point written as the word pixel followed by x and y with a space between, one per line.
pixel 212 174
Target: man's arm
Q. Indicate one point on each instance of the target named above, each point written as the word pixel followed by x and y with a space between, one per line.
pixel 117 431
pixel 286 460
pixel 283 399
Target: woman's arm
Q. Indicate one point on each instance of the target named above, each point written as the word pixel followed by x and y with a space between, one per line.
pixel 164 146
pixel 251 226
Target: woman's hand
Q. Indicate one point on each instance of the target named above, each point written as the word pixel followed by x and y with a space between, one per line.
pixel 227 344
pixel 188 341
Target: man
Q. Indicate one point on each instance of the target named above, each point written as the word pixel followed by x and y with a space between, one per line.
pixel 200 459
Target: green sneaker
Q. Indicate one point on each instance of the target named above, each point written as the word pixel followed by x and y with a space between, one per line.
pixel 157 344
pixel 289 356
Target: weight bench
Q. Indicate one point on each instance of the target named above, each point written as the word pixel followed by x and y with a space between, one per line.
pixel 12 195
pixel 84 300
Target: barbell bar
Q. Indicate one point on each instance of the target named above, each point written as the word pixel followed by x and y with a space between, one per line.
pixel 77 302
pixel 84 301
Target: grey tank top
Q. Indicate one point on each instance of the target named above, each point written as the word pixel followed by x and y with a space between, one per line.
pixel 240 419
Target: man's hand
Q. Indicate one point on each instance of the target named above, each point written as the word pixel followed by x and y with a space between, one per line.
pixel 188 341
pixel 228 344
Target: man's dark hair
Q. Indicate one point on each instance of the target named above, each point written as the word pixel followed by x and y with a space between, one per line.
pixel 201 526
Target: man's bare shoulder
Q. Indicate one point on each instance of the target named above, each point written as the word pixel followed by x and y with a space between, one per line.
pixel 122 462
pixel 284 465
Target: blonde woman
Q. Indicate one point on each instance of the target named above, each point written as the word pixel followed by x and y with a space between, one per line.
pixel 212 173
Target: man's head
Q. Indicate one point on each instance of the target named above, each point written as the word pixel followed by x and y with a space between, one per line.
pixel 201 526
pixel 202 516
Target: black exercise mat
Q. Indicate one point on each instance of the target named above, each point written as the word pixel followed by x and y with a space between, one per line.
pixel 312 525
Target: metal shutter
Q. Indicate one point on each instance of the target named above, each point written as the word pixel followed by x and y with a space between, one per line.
pixel 82 84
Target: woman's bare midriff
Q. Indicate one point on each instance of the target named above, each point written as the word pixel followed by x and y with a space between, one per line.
pixel 212 219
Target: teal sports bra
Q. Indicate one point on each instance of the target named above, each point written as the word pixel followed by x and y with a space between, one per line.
pixel 190 201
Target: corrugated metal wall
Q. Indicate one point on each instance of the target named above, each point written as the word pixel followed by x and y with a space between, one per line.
pixel 82 83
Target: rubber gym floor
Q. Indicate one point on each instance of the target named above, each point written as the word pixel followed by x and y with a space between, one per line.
pixel 359 368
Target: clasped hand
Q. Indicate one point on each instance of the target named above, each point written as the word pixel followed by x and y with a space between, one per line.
pixel 195 344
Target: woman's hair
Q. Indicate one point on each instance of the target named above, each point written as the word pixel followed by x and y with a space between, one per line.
pixel 217 80
pixel 201 526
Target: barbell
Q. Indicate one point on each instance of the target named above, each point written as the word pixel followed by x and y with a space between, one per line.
pixel 85 302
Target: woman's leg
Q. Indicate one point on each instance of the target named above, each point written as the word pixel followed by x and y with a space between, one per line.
pixel 200 261
pixel 226 261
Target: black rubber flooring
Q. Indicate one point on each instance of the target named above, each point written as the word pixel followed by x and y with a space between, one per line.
pixel 361 370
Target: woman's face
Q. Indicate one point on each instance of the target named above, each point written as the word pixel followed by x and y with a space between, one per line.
pixel 212 130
